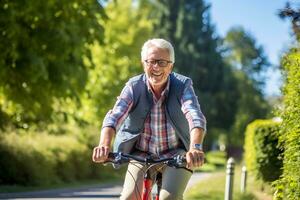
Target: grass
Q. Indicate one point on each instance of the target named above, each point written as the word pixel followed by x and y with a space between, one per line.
pixel 213 188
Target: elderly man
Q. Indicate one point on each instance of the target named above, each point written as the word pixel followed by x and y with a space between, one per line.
pixel 158 114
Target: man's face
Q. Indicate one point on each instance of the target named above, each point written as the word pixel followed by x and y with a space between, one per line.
pixel 157 66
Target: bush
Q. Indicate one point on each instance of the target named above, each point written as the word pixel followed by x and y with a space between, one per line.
pixel 262 153
pixel 31 158
pixel 217 158
pixel 41 159
pixel 288 187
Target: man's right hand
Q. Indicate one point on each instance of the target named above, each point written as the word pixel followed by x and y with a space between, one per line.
pixel 100 153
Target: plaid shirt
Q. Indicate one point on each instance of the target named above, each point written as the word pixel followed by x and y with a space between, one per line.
pixel 159 136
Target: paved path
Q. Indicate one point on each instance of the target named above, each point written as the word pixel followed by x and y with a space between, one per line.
pixel 102 192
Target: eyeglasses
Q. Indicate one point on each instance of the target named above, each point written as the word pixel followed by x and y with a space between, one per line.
pixel 161 63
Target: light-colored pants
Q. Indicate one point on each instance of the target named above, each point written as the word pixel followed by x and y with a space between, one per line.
pixel 174 181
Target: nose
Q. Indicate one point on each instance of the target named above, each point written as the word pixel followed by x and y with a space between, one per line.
pixel 155 66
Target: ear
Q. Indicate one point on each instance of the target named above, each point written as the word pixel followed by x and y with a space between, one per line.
pixel 171 67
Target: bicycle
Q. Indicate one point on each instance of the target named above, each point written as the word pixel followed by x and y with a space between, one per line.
pixel 178 161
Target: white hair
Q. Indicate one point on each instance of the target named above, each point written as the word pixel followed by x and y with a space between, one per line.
pixel 159 43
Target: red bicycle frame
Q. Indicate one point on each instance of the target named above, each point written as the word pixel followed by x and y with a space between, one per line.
pixel 147 187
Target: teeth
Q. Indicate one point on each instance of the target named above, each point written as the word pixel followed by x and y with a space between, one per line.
pixel 156 74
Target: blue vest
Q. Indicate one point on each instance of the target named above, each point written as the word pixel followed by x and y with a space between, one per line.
pixel 133 125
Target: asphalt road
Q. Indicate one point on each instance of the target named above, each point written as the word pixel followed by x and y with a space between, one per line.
pixel 102 192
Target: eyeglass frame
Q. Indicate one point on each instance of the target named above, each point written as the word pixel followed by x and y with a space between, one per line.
pixel 148 63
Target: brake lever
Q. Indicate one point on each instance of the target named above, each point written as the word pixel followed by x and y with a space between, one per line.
pixel 180 160
pixel 116 159
pixel 176 162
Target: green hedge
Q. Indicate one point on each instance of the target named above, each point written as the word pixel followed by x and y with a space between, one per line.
pixel 262 153
pixel 42 159
pixel 288 187
pixel 217 158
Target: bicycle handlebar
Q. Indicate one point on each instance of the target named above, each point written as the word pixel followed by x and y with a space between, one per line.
pixel 178 161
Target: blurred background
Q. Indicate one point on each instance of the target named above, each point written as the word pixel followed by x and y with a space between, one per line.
pixel 63 64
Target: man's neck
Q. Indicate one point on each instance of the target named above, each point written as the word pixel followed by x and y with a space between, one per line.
pixel 158 90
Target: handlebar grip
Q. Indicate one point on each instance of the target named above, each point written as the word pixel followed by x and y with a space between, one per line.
pixel 112 155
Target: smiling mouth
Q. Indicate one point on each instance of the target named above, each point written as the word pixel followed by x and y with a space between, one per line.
pixel 157 75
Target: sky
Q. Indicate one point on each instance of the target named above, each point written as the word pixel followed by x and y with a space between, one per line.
pixel 259 18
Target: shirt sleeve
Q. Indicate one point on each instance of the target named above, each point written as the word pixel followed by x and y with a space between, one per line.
pixel 191 108
pixel 115 117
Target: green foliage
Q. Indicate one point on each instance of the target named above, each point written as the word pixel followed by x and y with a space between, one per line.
pixel 249 63
pixel 60 73
pixel 262 153
pixel 288 187
pixel 40 159
pixel 251 105
pixel 42 44
pixel 244 53
pixel 217 158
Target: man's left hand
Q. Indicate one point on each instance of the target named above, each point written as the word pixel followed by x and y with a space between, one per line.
pixel 194 158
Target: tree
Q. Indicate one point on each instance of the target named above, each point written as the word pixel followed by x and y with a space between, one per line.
pixel 251 105
pixel 42 45
pixel 248 61
pixel 245 54
pixel 294 14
